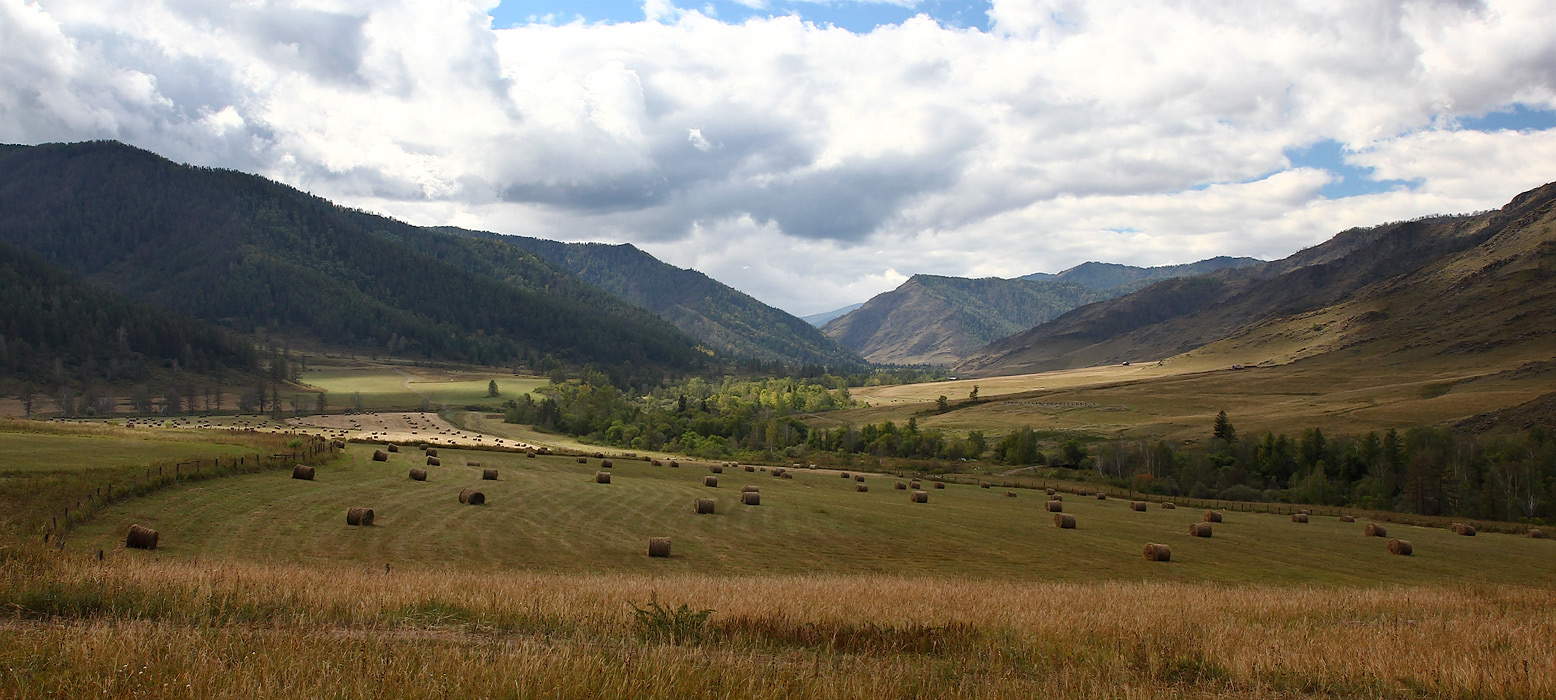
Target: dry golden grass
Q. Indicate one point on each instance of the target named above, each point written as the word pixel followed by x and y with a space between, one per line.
pixel 135 627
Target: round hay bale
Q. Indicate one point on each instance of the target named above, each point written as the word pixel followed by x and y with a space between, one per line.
pixel 1010 494
pixel 985 485
pixel 605 464
pixel 1064 521
pixel 1051 492
pixel 656 463
pixel 1212 516
pixel 489 474
pixel 914 484
pixel 358 515
pixel 1299 517
pixel 1535 533
pixel 472 497
pixel 786 475
pixel 469 463
pixel 529 455
pixel 583 460
pixel 1347 519
pixel 1157 552
pixel 1169 506
pixel 1054 506
pixel 751 498
pixel 939 484
pixel 431 451
pixel 710 481
pixel 394 448
pixel 659 546
pixel 302 471
pixel 602 477
pixel 418 475
pixel 380 456
pixel 1400 547
pixel 1083 492
pixel 434 462
pixel 599 455
pixel 779 473
pixel 1102 496
pixel 748 488
pixel 1374 530
pixel 704 506
pixel 859 478
pixel 1138 506
pixel 1465 529
pixel 1199 529
pixel 919 497
pixel 544 450
pixel 1305 511
pixel 900 486
pixel 862 488
pixel 716 469
pixel 1056 497
pixel 750 468
pixel 674 464
pixel 141 537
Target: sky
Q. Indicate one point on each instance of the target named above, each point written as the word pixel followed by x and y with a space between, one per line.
pixel 814 153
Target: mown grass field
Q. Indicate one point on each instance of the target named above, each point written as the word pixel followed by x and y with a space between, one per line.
pixel 546 514
pixel 386 386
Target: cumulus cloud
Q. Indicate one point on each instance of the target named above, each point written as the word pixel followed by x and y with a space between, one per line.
pixel 809 165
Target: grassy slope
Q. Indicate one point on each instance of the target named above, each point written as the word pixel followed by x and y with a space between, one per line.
pixel 547 514
pixel 385 386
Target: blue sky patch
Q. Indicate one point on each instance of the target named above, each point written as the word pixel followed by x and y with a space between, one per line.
pixel 859 16
pixel 1519 118
pixel 1350 181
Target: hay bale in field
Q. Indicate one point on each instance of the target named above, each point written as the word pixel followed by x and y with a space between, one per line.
pixel 1304 511
pixel 141 537
pixel 1374 530
pixel 716 469
pixel 1054 506
pixel 544 450
pixel 583 460
pixel 302 471
pixel 1056 497
pixel 786 475
pixel 1535 533
pixel 394 448
pixel 1299 517
pixel 749 488
pixel 489 474
pixel 1463 529
pixel 778 473
pixel 529 455
pixel 602 477
pixel 431 451
pixel 1138 506
pixel 862 488
pixel 469 463
pixel 1051 492
pixel 1157 552
pixel 418 475
pixel 985 485
pixel 1199 529
pixel 358 515
pixel 605 464
pixel 434 462
pixel 750 468
pixel 1010 494
pixel 1102 496
pixel 472 497
pixel 751 498
pixel 919 497
pixel 914 484
pixel 1169 506
pixel 1064 521
pixel 657 463
pixel 599 455
pixel 704 506
pixel 1212 516
pixel 1347 519
pixel 900 486
pixel 674 464
pixel 939 484
pixel 846 475
pixel 710 481
pixel 658 546
pixel 1083 492
pixel 380 456
pixel 1400 547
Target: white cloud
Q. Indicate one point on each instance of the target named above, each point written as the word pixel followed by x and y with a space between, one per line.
pixel 1073 130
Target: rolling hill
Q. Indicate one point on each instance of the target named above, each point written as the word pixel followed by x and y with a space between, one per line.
pixel 251 254
pixel 1113 276
pixel 1444 286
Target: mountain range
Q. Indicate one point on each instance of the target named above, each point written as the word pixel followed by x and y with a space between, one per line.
pixel 938 320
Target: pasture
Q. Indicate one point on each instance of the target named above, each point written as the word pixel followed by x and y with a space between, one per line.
pixel 385 386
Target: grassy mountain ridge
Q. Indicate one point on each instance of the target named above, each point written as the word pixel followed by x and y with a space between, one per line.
pixel 718 315
pixel 1128 278
pixel 247 253
pixel 1177 316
